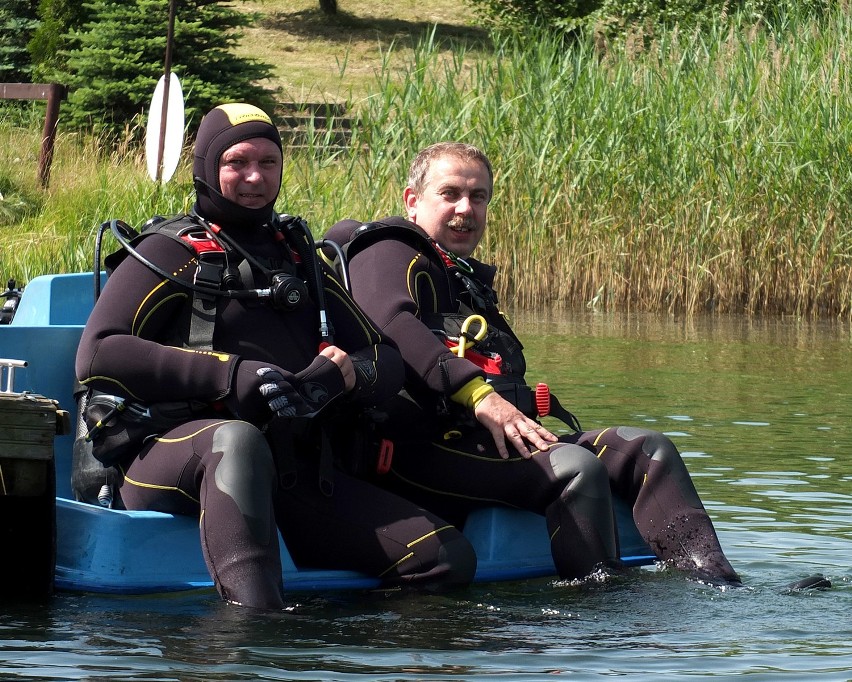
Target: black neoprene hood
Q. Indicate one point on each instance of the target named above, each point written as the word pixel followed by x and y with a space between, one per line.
pixel 220 129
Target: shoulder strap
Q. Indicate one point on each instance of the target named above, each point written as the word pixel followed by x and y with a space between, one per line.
pixel 173 227
pixel 356 237
pixel 211 265
pixel 210 255
pixel 364 235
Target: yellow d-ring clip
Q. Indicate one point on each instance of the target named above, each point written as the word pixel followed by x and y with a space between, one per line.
pixel 464 342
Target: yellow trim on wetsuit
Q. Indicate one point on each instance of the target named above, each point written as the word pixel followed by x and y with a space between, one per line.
pixel 600 435
pixel 411 544
pixel 151 486
pixel 413 284
pixel 472 393
pixel 193 434
pixel 142 305
pixel 370 332
pixel 152 312
pixel 100 377
pixel 137 330
pixel 394 565
pixel 428 535
pixel 172 488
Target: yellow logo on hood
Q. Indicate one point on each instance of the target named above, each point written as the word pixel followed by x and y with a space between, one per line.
pixel 240 112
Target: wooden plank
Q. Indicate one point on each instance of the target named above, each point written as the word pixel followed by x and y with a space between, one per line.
pixel 28 425
pixel 31 90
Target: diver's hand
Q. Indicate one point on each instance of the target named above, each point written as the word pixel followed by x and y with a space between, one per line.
pixel 344 363
pixel 260 390
pixel 282 398
pixel 507 422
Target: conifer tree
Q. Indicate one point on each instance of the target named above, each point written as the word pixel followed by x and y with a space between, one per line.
pixel 17 24
pixel 119 54
pixel 58 19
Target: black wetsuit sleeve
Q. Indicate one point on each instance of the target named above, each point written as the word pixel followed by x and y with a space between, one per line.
pixel 396 284
pixel 124 347
pixel 377 362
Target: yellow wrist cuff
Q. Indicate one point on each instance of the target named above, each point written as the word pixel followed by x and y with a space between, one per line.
pixel 472 393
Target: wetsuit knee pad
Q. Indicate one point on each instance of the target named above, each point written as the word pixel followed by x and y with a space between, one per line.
pixel 575 462
pixel 665 458
pixel 245 471
pixel 655 445
pixel 580 521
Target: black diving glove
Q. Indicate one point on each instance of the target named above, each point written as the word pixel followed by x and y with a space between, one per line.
pixel 260 390
pixel 282 398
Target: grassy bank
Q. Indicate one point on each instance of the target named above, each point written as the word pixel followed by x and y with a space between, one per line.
pixel 321 58
pixel 699 172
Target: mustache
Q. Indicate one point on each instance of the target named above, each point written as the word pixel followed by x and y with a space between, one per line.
pixel 459 221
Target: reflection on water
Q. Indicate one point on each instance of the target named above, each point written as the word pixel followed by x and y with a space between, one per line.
pixel 760 410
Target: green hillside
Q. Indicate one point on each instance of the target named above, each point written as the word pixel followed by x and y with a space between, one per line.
pixel 321 58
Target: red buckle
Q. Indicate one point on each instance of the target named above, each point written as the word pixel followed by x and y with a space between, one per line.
pixel 490 363
pixel 383 464
pixel 203 244
pixel 542 399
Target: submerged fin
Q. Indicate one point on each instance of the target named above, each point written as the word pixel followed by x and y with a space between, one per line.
pixel 812 582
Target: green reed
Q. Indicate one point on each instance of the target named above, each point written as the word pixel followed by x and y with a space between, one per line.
pixel 687 172
pixel 678 172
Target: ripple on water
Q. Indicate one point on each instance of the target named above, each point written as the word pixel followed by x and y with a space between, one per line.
pixel 769 442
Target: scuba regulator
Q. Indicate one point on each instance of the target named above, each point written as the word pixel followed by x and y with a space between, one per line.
pixel 286 291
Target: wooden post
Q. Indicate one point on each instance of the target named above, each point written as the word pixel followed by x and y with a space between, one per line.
pixel 54 94
pixel 28 425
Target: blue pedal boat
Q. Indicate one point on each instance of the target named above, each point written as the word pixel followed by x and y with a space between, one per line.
pixel 138 552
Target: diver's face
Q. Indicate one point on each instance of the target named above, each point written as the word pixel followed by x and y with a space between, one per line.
pixel 453 205
pixel 250 172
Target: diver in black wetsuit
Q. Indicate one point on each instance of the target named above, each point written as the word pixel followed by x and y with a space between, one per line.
pixel 462 442
pixel 213 314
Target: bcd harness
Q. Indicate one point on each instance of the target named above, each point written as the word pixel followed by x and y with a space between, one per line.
pixel 112 429
pixel 225 270
pixel 477 330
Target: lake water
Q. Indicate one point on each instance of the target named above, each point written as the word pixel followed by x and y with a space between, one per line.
pixel 761 411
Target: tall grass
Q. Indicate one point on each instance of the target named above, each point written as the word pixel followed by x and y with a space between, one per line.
pixel 691 172
pixel 703 171
pixel 89 183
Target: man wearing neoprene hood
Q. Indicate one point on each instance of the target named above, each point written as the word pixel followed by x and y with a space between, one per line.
pixel 479 441
pixel 267 367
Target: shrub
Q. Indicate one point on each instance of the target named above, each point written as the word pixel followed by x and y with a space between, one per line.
pixel 611 17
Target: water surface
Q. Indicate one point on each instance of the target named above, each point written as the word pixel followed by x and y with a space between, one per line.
pixel 760 410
